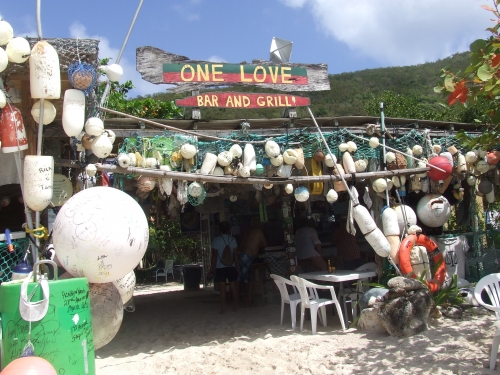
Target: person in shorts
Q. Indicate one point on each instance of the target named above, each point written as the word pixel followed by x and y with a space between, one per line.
pixel 225 273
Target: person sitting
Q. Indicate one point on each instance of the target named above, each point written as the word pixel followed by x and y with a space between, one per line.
pixel 225 272
pixel 250 247
pixel 308 245
pixel 347 246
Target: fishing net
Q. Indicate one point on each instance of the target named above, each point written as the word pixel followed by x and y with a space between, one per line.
pixel 8 260
pixel 82 76
pixel 483 257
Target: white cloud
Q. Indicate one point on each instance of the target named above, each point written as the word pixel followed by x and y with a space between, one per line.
pixel 395 32
pixel 186 11
pixel 215 58
pixel 77 30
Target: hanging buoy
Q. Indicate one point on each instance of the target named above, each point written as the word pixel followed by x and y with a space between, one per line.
pixel 290 156
pixel 225 158
pixel 379 185
pixel 209 163
pixel 12 131
pixel 277 161
pixel 94 126
pixel 471 180
pixel 417 150
pixel 91 170
pixel 249 157
pixel 259 169
pixel 493 157
pixel 18 50
pixel 390 157
pixel 285 170
pixel 126 286
pixel 360 165
pixel 437 149
pixel 339 185
pixel 490 197
pixel 352 147
pixel 102 146
pixel 236 151
pixel 461 164
pixel 188 151
pixel 403 211
pixel 4 60
pixel 45 74
pixel 299 164
pixel 244 171
pixel 433 210
pixel 195 189
pixel 289 188
pixel 49 112
pixel 391 230
pixel 470 157
pixel 272 149
pixel 114 72
pixel 374 142
pixel 343 147
pixel 348 163
pixel 329 161
pixel 482 166
pixel 30 365
pixel 218 171
pixel 444 164
pixel 409 160
pixel 38 181
pixel 373 235
pixel 132 158
pixel 166 182
pixel 73 116
pixel 62 190
pixel 111 135
pixel 6 32
pixel 301 194
pixel 398 181
pixel 331 196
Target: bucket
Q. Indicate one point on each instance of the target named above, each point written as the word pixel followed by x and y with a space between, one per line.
pixel 63 336
pixel 191 276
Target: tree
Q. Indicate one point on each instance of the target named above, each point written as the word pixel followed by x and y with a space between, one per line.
pixel 479 85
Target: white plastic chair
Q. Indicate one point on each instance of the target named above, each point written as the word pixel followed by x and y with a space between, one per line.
pixel 355 293
pixel 292 299
pixel 491 284
pixel 315 303
pixel 169 268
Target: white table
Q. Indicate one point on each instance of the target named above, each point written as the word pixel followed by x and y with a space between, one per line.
pixel 339 276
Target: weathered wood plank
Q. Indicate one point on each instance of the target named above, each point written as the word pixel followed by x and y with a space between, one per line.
pixel 150 60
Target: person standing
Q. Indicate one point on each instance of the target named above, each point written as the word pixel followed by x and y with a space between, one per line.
pixel 308 245
pixel 224 270
pixel 254 241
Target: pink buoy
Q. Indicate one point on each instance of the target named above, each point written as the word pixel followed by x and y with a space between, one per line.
pixel 440 162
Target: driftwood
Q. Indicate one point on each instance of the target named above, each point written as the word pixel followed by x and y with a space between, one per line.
pixel 150 60
pixel 229 179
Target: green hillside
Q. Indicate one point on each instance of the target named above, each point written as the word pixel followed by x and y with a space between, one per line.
pixel 358 93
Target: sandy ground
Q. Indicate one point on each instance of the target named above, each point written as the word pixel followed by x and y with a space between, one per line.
pixel 174 331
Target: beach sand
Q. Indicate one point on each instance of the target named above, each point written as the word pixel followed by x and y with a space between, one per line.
pixel 174 331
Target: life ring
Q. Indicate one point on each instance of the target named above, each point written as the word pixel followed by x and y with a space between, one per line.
pixel 432 248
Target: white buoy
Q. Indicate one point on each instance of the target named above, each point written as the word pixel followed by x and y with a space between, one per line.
pixel 114 72
pixel 482 166
pixel 188 151
pixel 410 215
pixel 433 210
pixel 417 150
pixel 329 161
pixel 236 151
pixel 4 60
pixel 18 50
pixel 133 159
pixel 352 147
pixel 372 233
pixel 244 171
pixel 209 163
pixel 364 220
pixel 195 189
pixel 374 142
pixel 390 228
pixel 277 161
pixel 111 135
pixel 471 180
pixel 224 158
pixel 91 170
pixel 218 171
pixel 299 164
pixel 289 188
pixel 3 99
pixel 49 112
pixel 390 157
pixel 123 160
pixel 360 165
pixel 437 149
pixel 399 181
pixel 272 149
pixel 331 196
pixel 166 183
pixel 461 164
pixel 38 181
pixel 348 163
pixel 285 170
pixel 94 126
pixel 470 157
pixel 290 156
pixel 102 146
pixel 249 157
pixel 73 116
pixel 379 185
pixel 6 33
pixel 45 74
pixel 301 194
pixel 126 286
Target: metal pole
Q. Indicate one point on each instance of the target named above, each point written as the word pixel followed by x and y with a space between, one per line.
pixel 354 200
pixel 108 84
pixel 382 129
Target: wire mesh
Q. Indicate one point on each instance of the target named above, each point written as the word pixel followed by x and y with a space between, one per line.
pixel 9 260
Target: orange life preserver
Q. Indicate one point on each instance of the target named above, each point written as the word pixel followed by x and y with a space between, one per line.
pixel 432 248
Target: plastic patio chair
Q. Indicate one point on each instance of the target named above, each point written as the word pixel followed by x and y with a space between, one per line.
pixel 355 293
pixel 169 268
pixel 491 284
pixel 315 304
pixel 292 299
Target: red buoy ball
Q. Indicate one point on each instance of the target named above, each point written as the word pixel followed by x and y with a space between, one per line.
pixel 444 164
pixel 31 365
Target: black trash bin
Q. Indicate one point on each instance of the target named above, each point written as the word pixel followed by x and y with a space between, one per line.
pixel 191 276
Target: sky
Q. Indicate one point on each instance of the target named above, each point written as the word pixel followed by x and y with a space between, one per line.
pixel 346 35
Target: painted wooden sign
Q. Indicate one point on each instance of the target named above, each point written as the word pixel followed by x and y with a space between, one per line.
pixel 243 100
pixel 233 73
pixel 161 67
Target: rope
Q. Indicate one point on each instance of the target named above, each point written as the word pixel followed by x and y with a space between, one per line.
pixel 40 232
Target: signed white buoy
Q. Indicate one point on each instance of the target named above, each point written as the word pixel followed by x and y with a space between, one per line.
pixel 94 126
pixel 49 112
pixel 6 32
pixel 38 181
pixel 249 157
pixel 209 163
pixel 126 286
pixel 73 116
pixel 45 74
pixel 18 50
pixel 101 146
pixel 62 189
